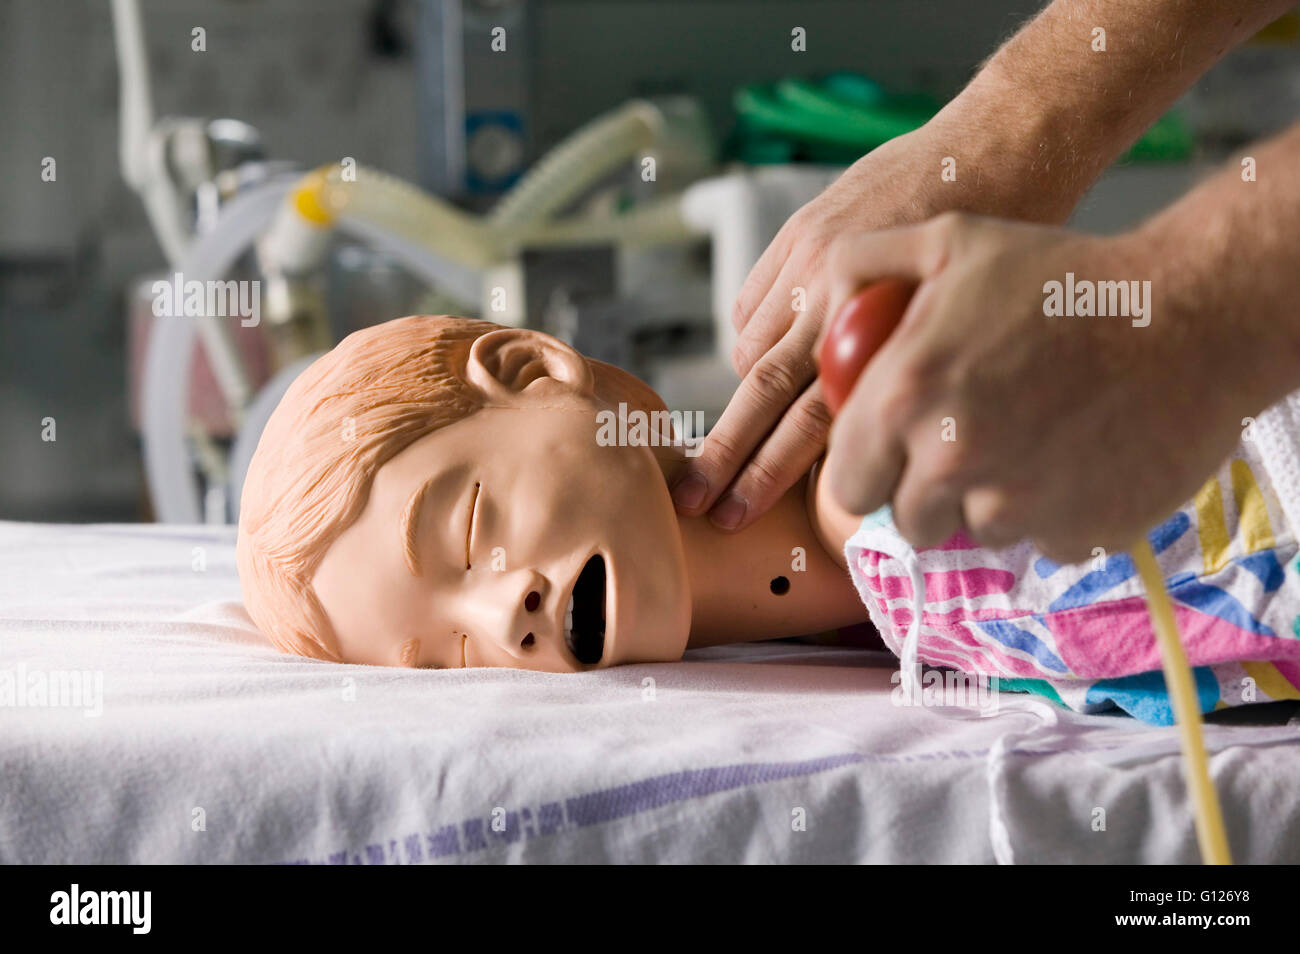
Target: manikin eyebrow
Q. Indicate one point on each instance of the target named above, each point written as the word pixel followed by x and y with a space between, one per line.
pixel 409 528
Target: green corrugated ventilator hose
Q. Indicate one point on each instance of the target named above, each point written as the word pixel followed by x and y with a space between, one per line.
pixel 842 117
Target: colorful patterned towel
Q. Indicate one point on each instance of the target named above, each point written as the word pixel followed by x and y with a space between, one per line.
pixel 1080 635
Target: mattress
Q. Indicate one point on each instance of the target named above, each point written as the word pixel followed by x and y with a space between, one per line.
pixel 143 719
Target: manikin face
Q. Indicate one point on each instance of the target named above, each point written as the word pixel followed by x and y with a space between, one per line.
pixel 512 537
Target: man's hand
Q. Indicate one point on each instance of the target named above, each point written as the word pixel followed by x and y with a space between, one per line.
pixel 775 426
pixel 1025 139
pixel 982 411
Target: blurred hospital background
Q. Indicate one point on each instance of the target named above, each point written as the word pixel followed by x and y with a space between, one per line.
pixel 457 176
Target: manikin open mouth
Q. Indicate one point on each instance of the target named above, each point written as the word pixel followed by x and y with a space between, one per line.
pixel 584 620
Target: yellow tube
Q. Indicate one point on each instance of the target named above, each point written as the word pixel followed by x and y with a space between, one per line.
pixel 308 199
pixel 1210 833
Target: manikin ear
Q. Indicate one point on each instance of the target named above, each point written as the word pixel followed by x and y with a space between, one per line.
pixel 504 364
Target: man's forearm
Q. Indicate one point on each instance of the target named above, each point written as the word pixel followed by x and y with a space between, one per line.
pixel 1050 111
pixel 1226 263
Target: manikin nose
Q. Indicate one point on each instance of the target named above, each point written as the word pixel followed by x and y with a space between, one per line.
pixel 513 620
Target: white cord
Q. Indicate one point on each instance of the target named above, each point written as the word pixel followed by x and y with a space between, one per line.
pixel 142 149
pixel 1048 715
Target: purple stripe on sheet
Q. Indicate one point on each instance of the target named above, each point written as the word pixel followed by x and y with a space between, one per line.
pixel 662 790
pixel 581 811
pixel 508 827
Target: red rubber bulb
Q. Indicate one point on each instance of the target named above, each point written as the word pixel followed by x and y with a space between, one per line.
pixel 856 333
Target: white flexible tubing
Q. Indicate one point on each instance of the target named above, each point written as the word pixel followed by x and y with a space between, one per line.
pixel 658 222
pixel 572 167
pixel 465 284
pixel 431 238
pixel 435 239
pixel 388 203
pixel 165 392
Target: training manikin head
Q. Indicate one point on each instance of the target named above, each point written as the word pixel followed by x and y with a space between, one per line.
pixel 432 493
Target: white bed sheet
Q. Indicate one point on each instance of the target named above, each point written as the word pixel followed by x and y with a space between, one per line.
pixel 211 747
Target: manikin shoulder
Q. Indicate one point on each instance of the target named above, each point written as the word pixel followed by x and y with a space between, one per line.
pixel 832 523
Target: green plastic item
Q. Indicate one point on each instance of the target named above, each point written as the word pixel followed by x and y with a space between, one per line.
pixel 800 111
pixel 855 88
pixel 1169 139
pixel 845 115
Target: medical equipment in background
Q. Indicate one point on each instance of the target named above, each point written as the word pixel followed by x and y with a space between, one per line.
pixel 631 265
pixel 852 336
pixel 642 273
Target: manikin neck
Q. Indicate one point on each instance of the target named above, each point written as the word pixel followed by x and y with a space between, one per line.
pixel 775 578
